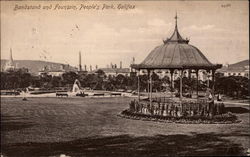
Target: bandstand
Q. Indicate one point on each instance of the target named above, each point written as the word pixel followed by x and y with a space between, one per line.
pixel 176 55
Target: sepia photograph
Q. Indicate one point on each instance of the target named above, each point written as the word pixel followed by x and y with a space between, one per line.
pixel 133 78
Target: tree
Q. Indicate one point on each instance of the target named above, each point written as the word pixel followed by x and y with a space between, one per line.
pixel 108 85
pixel 3 80
pixel 15 79
pixel 100 73
pixel 69 78
pixel 45 81
pixel 121 81
pixel 132 82
pixel 56 81
pixel 157 84
pixel 234 86
pixel 189 84
pixel 35 81
pixel 143 82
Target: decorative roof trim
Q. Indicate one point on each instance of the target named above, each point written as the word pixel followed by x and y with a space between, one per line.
pixel 206 67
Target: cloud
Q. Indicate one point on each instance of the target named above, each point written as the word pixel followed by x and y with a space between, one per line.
pixel 100 29
pixel 199 28
pixel 156 22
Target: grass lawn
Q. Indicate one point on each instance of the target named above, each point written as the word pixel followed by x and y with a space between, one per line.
pixel 91 127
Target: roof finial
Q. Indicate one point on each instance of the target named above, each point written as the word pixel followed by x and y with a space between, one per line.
pixel 176 17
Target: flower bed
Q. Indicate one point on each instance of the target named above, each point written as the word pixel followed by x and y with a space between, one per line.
pixel 226 118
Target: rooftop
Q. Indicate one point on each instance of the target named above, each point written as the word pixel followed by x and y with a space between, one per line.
pixel 176 53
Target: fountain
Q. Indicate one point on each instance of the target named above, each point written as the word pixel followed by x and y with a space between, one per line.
pixel 76 86
pixel 76 89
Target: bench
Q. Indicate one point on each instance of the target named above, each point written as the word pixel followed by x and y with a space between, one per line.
pixel 61 94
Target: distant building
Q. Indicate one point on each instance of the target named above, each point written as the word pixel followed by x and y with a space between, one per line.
pixel 237 69
pixel 113 70
pixel 116 71
pixel 55 71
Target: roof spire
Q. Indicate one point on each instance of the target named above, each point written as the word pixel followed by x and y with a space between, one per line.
pixel 176 37
pixel 176 17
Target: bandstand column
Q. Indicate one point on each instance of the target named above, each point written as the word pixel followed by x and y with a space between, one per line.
pixel 197 83
pixel 171 81
pixel 213 80
pixel 181 72
pixel 208 71
pixel 148 82
pixel 181 75
pixel 138 86
pixel 189 77
pixel 189 74
pixel 150 74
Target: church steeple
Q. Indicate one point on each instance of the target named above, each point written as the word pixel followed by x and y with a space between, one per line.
pixel 10 63
pixel 176 37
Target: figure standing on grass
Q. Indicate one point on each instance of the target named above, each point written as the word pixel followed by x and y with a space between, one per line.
pixel 209 95
pixel 219 97
pixel 210 101
pixel 24 94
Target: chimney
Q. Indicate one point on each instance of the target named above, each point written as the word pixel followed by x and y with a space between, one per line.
pixel 111 65
pixel 80 61
pixel 90 67
pixel 133 60
pixel 115 66
pixel 96 67
pixel 120 64
pixel 85 67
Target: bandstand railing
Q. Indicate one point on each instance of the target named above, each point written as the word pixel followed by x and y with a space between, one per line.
pixel 163 106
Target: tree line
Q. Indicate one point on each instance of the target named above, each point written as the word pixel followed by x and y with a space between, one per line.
pixel 234 86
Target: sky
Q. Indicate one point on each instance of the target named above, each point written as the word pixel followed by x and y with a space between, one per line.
pixel 219 29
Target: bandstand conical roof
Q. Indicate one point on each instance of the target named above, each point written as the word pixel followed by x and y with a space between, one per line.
pixel 176 53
